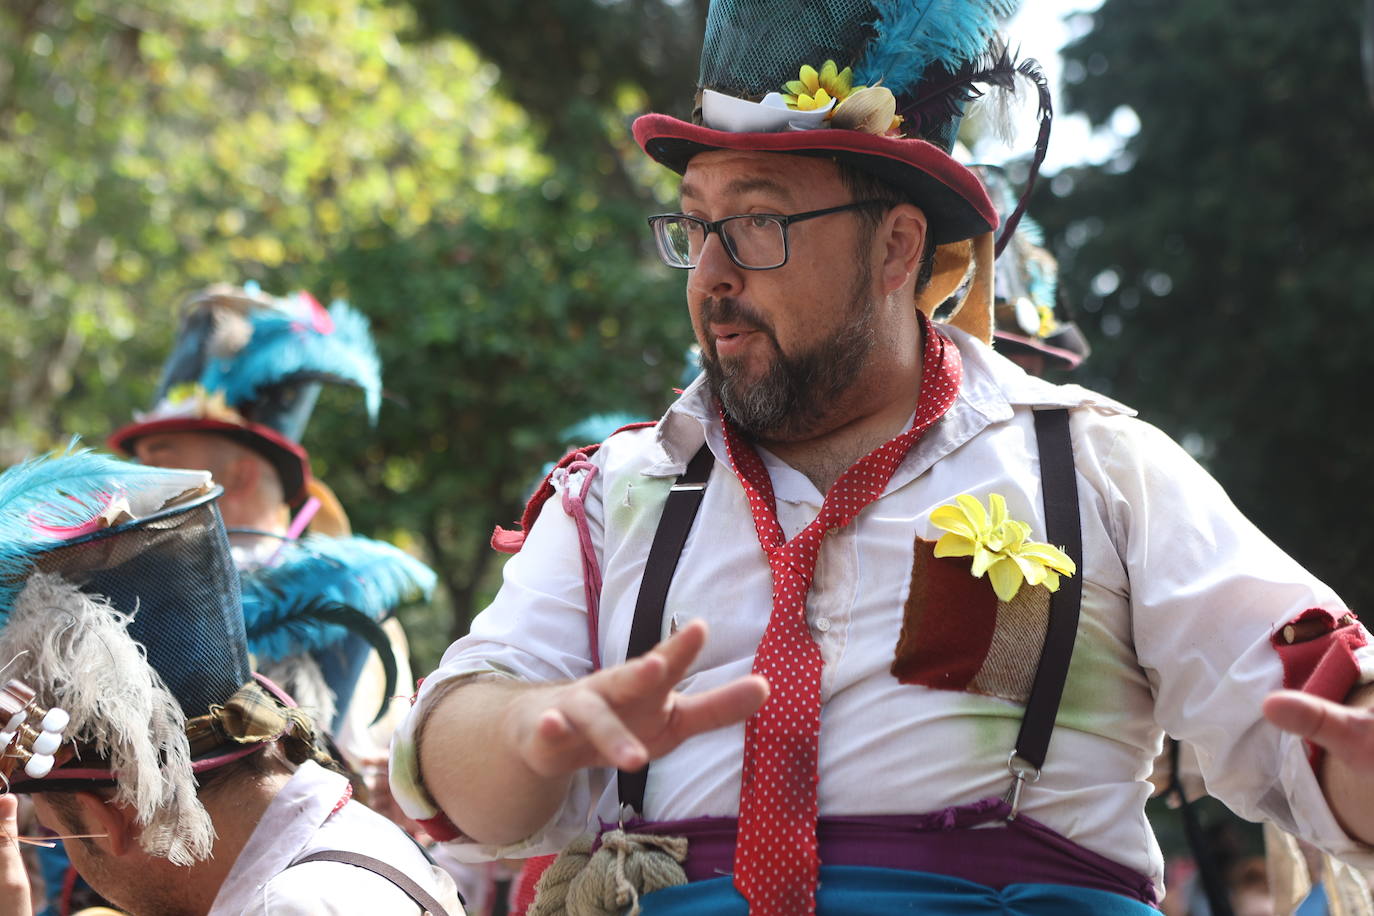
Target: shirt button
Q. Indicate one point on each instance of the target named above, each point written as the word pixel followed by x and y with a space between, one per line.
pixel 823 624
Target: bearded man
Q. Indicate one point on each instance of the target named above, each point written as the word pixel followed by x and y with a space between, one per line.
pixel 868 509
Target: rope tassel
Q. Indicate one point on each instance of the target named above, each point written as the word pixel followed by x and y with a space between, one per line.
pixel 603 883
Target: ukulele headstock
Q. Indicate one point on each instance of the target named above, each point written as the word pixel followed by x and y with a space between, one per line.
pixel 29 734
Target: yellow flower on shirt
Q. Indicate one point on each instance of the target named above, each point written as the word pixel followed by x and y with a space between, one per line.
pixel 999 546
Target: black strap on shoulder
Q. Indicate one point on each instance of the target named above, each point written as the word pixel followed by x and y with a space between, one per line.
pixel 1059 483
pixel 381 869
pixel 679 511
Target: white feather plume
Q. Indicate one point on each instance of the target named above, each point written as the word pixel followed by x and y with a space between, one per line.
pixel 74 649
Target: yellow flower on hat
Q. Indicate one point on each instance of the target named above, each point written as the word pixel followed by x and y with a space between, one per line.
pixel 999 546
pixel 813 89
pixel 1048 324
pixel 191 399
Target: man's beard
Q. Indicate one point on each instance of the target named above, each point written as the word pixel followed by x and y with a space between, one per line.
pixel 796 393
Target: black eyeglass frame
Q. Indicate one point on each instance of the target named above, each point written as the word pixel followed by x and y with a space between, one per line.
pixel 782 219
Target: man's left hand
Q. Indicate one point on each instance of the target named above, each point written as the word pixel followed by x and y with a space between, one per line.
pixel 1346 733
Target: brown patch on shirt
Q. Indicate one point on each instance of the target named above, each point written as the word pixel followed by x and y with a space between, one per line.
pixel 957 635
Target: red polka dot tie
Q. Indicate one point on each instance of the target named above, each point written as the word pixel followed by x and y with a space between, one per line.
pixel 776 864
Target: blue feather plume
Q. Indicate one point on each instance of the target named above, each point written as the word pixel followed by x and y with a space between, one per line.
pixel 596 428
pixel 912 35
pixel 371 577
pixel 45 499
pixel 286 347
pixel 1042 282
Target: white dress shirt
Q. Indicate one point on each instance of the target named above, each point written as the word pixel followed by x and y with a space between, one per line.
pixel 1180 596
pixel 300 820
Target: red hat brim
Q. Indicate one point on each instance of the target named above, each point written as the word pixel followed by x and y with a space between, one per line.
pixel 954 200
pixel 288 458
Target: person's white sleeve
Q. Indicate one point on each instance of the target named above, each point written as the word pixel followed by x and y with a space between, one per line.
pixel 535 630
pixel 1207 592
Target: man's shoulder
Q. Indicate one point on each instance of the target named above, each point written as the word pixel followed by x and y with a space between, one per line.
pixel 662 448
pixel 339 889
pixel 330 888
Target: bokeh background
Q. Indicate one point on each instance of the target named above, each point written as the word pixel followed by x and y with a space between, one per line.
pixel 462 172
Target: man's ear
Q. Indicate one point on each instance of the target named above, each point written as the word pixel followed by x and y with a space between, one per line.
pixel 101 815
pixel 903 235
pixel 241 473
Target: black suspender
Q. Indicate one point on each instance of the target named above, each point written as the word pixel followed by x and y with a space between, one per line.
pixel 407 884
pixel 679 511
pixel 1059 485
pixel 1060 489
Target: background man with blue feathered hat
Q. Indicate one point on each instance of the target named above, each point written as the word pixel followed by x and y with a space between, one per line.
pixel 952 607
pixel 180 782
pixel 236 395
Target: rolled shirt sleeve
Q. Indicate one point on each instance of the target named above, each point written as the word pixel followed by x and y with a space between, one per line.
pixel 535 630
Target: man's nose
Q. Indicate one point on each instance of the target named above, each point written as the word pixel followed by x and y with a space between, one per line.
pixel 715 274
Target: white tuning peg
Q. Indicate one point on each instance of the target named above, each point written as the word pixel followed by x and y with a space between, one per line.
pixel 56 720
pixel 47 742
pixel 6 737
pixel 17 720
pixel 39 765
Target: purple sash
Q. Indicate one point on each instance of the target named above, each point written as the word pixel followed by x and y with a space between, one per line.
pixel 974 842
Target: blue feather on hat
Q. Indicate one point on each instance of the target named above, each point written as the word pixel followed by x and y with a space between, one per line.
pixel 912 36
pixel 372 577
pixel 48 501
pixel 324 588
pixel 304 343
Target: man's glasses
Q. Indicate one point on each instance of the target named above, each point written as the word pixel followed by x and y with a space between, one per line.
pixel 754 241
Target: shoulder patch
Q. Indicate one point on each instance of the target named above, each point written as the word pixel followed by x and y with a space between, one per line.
pixel 507 540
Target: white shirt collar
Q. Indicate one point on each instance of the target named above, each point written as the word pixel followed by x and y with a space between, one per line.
pixel 991 386
pixel 284 833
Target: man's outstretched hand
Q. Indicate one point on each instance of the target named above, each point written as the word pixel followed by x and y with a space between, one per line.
pixel 627 715
pixel 498 756
pixel 1346 733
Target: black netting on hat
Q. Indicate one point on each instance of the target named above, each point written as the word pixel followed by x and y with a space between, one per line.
pixel 286 408
pixel 171 572
pixel 752 47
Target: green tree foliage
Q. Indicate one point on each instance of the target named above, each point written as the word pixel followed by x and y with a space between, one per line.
pixel 148 149
pixel 559 56
pixel 498 332
pixel 1224 258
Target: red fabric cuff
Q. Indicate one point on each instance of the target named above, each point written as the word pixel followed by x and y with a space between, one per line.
pixel 440 827
pixel 1317 649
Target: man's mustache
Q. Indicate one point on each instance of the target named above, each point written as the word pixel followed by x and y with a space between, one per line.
pixel 729 310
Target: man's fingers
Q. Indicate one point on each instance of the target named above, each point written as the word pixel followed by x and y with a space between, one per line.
pixel 14 883
pixel 681 649
pixel 702 712
pixel 1347 733
pixel 634 681
pixel 600 726
pixel 656 673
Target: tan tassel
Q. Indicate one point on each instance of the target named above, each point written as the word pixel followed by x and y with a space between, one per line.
pixel 611 880
pixel 1291 880
pixel 951 267
pixel 331 519
pixel 972 261
pixel 974 313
